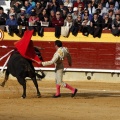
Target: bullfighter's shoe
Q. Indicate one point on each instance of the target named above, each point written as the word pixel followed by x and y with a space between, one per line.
pixel 73 95
pixel 56 96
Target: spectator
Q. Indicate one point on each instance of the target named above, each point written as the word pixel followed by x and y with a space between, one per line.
pixel 44 23
pixel 52 15
pixel 117 6
pixel 66 2
pixel 17 6
pixel 90 8
pixel 85 2
pixel 42 14
pixel 38 8
pixel 26 4
pixel 57 22
pixel 34 22
pixel 65 12
pixel 12 11
pixel 102 2
pixel 43 3
pixel 106 24
pixel 68 21
pixel 112 7
pixel 77 3
pixel 80 11
pixel 86 27
pixel 22 10
pixel 96 25
pixel 70 8
pixel 11 25
pixel 94 3
pixel 50 7
pixel 116 25
pixel 61 7
pixel 107 3
pixel 100 17
pixel 103 9
pixel 75 13
pixel 111 14
pixel 53 5
pixel 28 7
pixel 14 1
pixel 78 22
pixel 22 24
pixel 87 15
pixel 114 3
pixel 3 17
pixel 77 25
pixel 32 3
pixel 47 21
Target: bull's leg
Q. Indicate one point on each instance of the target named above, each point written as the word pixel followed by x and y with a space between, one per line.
pixel 36 85
pixel 5 79
pixel 22 81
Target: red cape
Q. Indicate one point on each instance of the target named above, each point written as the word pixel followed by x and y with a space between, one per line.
pixel 26 48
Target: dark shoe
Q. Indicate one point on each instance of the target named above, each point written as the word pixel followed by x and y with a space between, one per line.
pixel 19 35
pixel 74 93
pixel 11 34
pixel 56 96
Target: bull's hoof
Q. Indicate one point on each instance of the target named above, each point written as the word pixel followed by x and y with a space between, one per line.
pixel 39 95
pixel 23 96
pixel 2 84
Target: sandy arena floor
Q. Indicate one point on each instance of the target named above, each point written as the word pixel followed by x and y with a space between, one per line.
pixel 94 101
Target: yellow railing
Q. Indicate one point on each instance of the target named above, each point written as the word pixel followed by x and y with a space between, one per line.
pixel 49 35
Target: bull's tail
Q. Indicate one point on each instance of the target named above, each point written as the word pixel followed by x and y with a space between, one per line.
pixel 6 78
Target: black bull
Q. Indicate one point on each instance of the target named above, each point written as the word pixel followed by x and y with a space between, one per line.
pixel 21 68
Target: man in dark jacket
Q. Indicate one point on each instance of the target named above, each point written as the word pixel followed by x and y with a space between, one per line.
pixel 116 25
pixel 22 23
pixel 96 26
pixel 3 17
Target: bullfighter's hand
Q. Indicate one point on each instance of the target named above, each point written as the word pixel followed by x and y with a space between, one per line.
pixel 40 63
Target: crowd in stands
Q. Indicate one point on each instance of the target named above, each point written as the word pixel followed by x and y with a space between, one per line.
pixel 86 16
